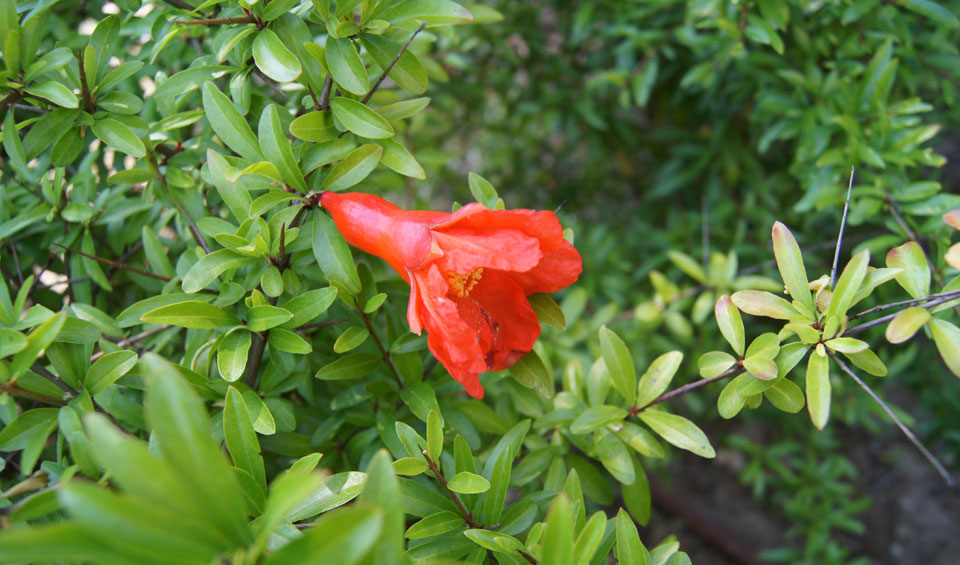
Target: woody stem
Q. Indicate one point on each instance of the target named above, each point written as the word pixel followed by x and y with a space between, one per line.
pixel 384 352
pixel 735 370
pixel 467 515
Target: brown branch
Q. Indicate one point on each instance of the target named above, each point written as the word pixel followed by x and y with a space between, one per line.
pixel 129 340
pixel 115 264
pixel 903 427
pixel 384 352
pixel 14 390
pixel 36 368
pixel 467 515
pixel 866 325
pixel 911 302
pixel 152 161
pixel 322 324
pixel 88 103
pixel 256 357
pixel 387 70
pixel 324 103
pixel 732 371
pixel 221 21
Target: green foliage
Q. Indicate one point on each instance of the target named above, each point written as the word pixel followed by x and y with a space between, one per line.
pixel 175 300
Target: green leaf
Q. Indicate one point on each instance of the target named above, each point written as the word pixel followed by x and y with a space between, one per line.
pixel 590 538
pixel 333 255
pixel 131 316
pixel 191 314
pixel 818 389
pixel 360 119
pixel 234 195
pixel 715 363
pixel 181 432
pixel 545 307
pixel 11 142
pixel 849 284
pixel 409 466
pixel 679 431
pixel 495 541
pixel 761 303
pixel 189 80
pixel 354 168
pixel 211 266
pixel 120 102
pixel 730 323
pixel 351 366
pixel 232 354
pixel 639 439
pixel 623 373
pixel 335 491
pixel 407 72
pixel 530 371
pixel 630 550
pixel 615 458
pixel 313 126
pixel 240 437
pixel 55 92
pixel 273 58
pixel 435 436
pixel 52 542
pixel 350 339
pixel 596 417
pixel 434 525
pixel 11 342
pixel 868 361
pixel 276 148
pixel 119 136
pixel 433 12
pixel 309 305
pixel 846 345
pixel 947 337
pixel 935 11
pixel 397 158
pixel 658 376
pixel 558 533
pixel 483 192
pixel 37 341
pixel 346 66
pixel 498 470
pixel 343 537
pixel 286 340
pixel 688 265
pixel 263 317
pixel 785 395
pixel 761 367
pixel 27 427
pixel 790 264
pixel 915 278
pixel 108 369
pixel 468 483
pixel 230 125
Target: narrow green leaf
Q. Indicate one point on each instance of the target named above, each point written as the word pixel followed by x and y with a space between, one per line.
pixel 119 136
pixel 351 366
pixel 54 92
pixel 232 354
pixel 240 437
pixel 230 125
pixel 790 264
pixel 730 323
pixel 468 483
pixel 211 266
pixel 623 373
pixel 630 550
pixel 947 337
pixel 558 533
pixel 658 377
pixel 915 278
pixel 761 303
pixel 435 436
pixel 434 525
pixel 346 66
pixel 360 119
pixel 286 340
pixel 191 314
pixel 273 58
pixel 596 417
pixel 714 363
pixel 818 389
pixel 333 255
pixel 108 369
pixel 263 317
pixel 343 537
pixel 531 372
pixel 37 341
pixel 679 431
pixel 849 284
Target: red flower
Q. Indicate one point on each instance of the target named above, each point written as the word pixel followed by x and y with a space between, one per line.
pixel 469 274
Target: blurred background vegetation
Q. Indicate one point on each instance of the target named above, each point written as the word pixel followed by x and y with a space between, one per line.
pixel 653 127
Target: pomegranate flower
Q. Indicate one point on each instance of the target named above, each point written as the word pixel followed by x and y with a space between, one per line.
pixel 469 274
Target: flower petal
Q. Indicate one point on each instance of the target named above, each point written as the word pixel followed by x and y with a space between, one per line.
pixel 557 270
pixel 542 225
pixel 451 340
pixel 504 249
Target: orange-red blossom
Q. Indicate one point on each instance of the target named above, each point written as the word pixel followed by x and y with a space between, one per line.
pixel 470 273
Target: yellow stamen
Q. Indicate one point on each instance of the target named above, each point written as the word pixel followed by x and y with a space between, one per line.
pixel 461 284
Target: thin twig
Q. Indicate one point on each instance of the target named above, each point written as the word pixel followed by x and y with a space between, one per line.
pixel 843 226
pixel 14 390
pixel 256 357
pixel 732 371
pixel 129 340
pixel 903 427
pixel 387 70
pixel 114 263
pixel 911 302
pixel 467 515
pixel 324 103
pixel 384 352
pixel 894 207
pixel 16 261
pixel 152 161
pixel 36 368
pixel 322 324
pixel 888 317
pixel 220 21
pixel 88 104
